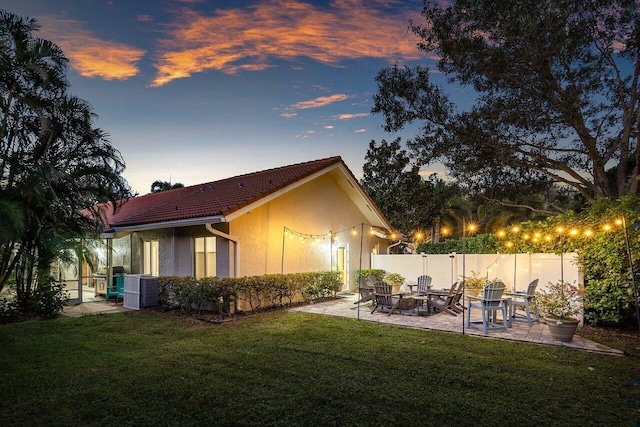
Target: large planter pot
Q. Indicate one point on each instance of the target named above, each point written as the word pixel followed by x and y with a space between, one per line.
pixel 562 329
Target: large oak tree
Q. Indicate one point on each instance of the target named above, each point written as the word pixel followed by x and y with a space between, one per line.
pixel 557 94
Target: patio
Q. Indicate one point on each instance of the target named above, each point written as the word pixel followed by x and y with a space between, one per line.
pixel 519 331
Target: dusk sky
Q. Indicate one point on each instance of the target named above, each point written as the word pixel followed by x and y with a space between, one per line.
pixel 193 91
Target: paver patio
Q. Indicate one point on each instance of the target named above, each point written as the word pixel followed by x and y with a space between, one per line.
pixel 519 331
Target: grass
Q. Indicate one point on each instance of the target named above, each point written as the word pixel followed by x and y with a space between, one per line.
pixel 147 368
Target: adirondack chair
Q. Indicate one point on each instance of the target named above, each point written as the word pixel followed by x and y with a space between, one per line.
pixel 384 299
pixel 116 291
pixel 372 280
pixel 366 290
pixel 526 299
pixel 456 304
pixel 443 301
pixel 489 304
pixel 424 284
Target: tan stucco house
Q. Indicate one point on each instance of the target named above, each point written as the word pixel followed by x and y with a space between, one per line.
pixel 304 217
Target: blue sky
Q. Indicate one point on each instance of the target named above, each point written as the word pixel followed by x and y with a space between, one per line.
pixel 193 91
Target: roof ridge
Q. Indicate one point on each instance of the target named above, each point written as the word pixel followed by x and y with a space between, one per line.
pixel 326 159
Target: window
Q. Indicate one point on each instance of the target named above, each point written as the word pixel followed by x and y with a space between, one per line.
pixel 205 257
pixel 150 257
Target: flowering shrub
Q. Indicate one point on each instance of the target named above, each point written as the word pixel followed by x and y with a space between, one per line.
pixel 561 300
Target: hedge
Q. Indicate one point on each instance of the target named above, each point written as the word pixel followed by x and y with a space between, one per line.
pixel 216 294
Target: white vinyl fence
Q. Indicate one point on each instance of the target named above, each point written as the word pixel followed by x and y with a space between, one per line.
pixel 509 268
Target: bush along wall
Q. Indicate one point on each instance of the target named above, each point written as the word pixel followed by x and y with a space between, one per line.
pixel 377 273
pixel 254 292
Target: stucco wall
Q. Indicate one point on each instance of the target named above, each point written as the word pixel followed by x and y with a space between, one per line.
pixel 316 208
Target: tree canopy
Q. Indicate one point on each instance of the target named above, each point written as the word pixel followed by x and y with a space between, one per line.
pixel 398 190
pixel 158 186
pixel 557 96
pixel 55 166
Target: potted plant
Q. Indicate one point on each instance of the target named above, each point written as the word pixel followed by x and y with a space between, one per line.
pixel 395 280
pixel 474 284
pixel 559 303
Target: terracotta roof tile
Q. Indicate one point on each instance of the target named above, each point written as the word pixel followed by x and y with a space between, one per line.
pixel 212 198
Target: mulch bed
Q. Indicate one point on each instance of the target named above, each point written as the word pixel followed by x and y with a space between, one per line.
pixel 626 336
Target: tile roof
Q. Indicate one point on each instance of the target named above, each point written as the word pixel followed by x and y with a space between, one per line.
pixel 216 198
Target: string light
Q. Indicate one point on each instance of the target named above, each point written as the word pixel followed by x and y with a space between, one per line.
pixel 332 235
pixel 560 231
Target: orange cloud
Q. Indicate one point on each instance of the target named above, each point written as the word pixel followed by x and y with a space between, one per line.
pixel 89 55
pixel 321 101
pixel 230 40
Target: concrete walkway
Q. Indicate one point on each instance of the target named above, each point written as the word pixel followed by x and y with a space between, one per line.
pixel 519 330
pixel 88 308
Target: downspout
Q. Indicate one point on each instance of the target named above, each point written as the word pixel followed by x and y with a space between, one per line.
pixel 391 246
pixel 235 245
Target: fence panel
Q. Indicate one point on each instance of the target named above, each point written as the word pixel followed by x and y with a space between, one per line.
pixel 510 268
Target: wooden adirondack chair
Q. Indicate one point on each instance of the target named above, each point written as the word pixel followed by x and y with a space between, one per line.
pixel 526 299
pixel 443 301
pixel 366 290
pixel 489 304
pixel 384 299
pixel 456 304
pixel 424 284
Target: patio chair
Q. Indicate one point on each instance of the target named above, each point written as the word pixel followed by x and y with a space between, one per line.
pixel 456 304
pixel 384 299
pixel 366 290
pixel 372 280
pixel 116 291
pixel 489 304
pixel 443 301
pixel 424 284
pixel 526 299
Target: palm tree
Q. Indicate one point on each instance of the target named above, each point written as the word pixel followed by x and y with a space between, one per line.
pixel 55 167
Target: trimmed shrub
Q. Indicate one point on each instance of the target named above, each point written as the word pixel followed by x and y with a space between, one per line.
pixel 212 293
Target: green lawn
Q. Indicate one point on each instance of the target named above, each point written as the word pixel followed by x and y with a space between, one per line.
pixel 150 369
